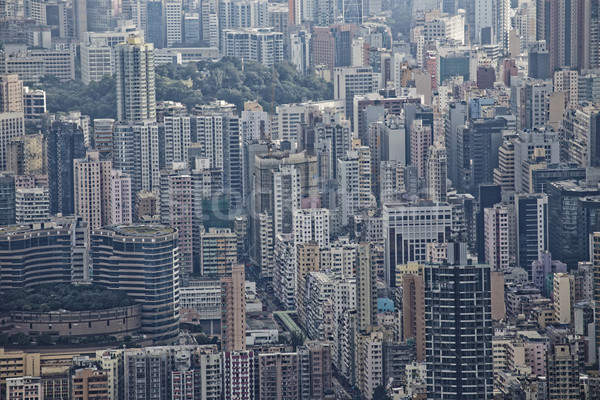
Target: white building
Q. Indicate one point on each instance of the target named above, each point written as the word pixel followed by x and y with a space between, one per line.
pixel 286 198
pixel 450 27
pixel 312 225
pixel 300 48
pixel 349 82
pixel 173 20
pixel 262 45
pixel 32 205
pixel 120 198
pixel 254 125
pixel 176 140
pixel 408 228
pixel 496 237
pixel 436 173
pixel 96 60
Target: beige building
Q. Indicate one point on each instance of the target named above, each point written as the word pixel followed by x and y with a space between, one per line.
pixel 89 384
pixel 307 261
pixel 278 375
pixel 92 188
pixel 24 388
pixel 233 310
pixel 564 291
pixel 11 93
pixel 369 367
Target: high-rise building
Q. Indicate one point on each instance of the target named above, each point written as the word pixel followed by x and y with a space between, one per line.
pixel 96 61
pixel 7 199
pixel 65 144
pixel 233 310
pixel 534 103
pixel 173 22
pixel 89 383
pixel 136 153
pixel 218 251
pixel 278 375
pixel 300 48
pixel 413 310
pixel 497 237
pixel 569 225
pixel 31 205
pixel 532 228
pixel 92 188
pixel 408 227
pixel 354 177
pixel 459 332
pixel 136 93
pixel 175 140
pixel 24 388
pixel 436 175
pixel 286 198
pixel 581 126
pixel 120 198
pixel 312 225
pixel 37 262
pixel 143 261
pixel 455 118
pixel 239 375
pixel 366 284
pixel 103 136
pixel 11 93
pixel 564 367
pixel 349 82
pixel 421 138
pixel 262 45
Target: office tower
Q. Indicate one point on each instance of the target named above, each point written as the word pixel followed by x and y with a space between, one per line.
pixel 532 228
pixel 24 388
pixel 581 126
pixel 504 174
pixel 478 154
pixel 566 41
pixel 496 237
pixel 149 273
pixel 421 138
pixel 454 119
pixel 7 199
pixel 366 283
pixel 527 146
pixel 218 251
pixel 65 144
pixel 89 383
pixel 103 136
pixel 31 205
pixel 534 103
pixel 458 317
pixel 595 256
pixel 354 177
pixel 286 199
pixel 239 374
pixel 567 80
pixel 353 11
pixel 96 61
pixel 66 261
pixel 408 227
pixel 436 173
pixel 489 195
pixel 452 62
pixel 136 153
pixel 300 48
pixel 220 132
pixel 11 93
pixel 569 224
pixel 177 209
pixel 151 19
pixel 233 310
pixel 136 94
pixel 333 140
pixel 539 61
pixel 349 82
pixel 312 225
pixel 191 28
pixel 173 22
pixel 92 188
pixel 451 27
pixel 564 367
pixel 262 45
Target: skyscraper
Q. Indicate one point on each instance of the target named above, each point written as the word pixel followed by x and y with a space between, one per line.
pixel 458 317
pixel 532 228
pixel 143 261
pixel 496 237
pixel 65 144
pixel 233 310
pixel 136 94
pixel 92 188
pixel 366 284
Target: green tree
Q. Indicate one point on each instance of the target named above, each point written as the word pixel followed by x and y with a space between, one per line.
pixel 380 393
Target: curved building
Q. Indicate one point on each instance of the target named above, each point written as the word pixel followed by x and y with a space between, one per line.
pixel 143 261
pixel 49 252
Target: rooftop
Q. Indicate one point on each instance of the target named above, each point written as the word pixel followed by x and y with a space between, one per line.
pixel 145 230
